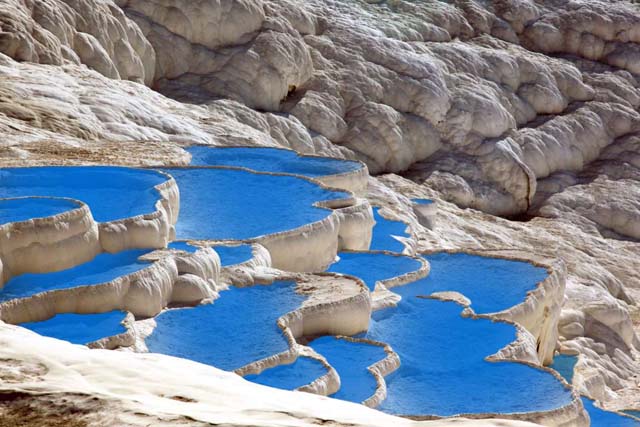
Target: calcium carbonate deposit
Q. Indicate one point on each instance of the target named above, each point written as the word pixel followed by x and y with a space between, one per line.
pixel 320 212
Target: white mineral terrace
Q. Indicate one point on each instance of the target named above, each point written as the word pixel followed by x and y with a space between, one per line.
pixel 192 275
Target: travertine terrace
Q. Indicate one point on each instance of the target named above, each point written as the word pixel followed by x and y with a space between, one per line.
pixel 501 128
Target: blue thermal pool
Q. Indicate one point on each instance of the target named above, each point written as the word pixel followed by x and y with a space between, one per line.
pixel 602 418
pixel 351 360
pixel 103 268
pixel 111 192
pixel 372 266
pixel 491 284
pixel 227 204
pixel 23 209
pixel 565 365
pixel 80 328
pixel 422 201
pixel 633 413
pixel 303 371
pixel 237 329
pixel 269 160
pixel 229 254
pixel 443 368
pixel 384 231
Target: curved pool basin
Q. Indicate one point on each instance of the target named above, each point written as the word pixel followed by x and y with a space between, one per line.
pixel 229 204
pixel 383 232
pixel 111 192
pixel 443 369
pixel 80 328
pixel 492 284
pixel 602 418
pixel 564 365
pixel 26 208
pixel 103 268
pixel 291 376
pixel 229 254
pixel 236 329
pixel 351 360
pixel 270 160
pixel 372 267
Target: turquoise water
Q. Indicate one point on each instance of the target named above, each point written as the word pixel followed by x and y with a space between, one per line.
pixel 422 201
pixel 80 328
pixel 229 255
pixel 633 413
pixel 443 371
pixel 226 204
pixel 372 267
pixel 103 268
pixel 290 377
pixel 15 210
pixel 238 328
pixel 351 360
pixel 601 418
pixel 269 160
pixel 111 192
pixel 491 284
pixel 565 364
pixel 382 233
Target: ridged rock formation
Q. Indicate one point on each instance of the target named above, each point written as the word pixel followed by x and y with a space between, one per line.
pixel 525 109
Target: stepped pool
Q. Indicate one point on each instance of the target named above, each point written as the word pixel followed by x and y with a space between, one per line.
pixel 26 208
pixel 277 160
pixel 103 268
pixel 443 368
pixel 80 328
pixel 291 376
pixel 236 329
pixel 229 254
pixel 444 371
pixel 372 267
pixel 111 192
pixel 492 284
pixel 383 232
pixel 228 204
pixel 564 365
pixel 351 360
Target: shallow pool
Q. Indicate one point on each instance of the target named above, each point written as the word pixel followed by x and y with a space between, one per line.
pixel 601 418
pixel 270 160
pixel 22 209
pixel 383 232
pixel 103 268
pixel 443 371
pixel 564 365
pixel 229 255
pixel 373 266
pixel 111 192
pixel 226 204
pixel 303 371
pixel 237 329
pixel 492 284
pixel 422 201
pixel 80 328
pixel 351 360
